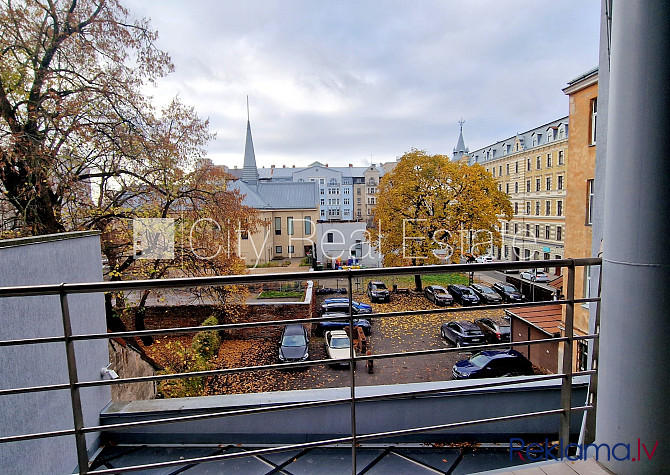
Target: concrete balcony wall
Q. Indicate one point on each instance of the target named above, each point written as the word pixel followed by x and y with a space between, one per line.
pixel 319 423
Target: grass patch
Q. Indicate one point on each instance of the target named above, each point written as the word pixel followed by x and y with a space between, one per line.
pixel 407 281
pixel 279 294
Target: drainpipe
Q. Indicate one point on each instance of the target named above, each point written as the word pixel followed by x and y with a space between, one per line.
pixel 633 383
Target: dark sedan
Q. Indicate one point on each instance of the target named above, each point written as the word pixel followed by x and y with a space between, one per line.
pixel 438 295
pixel 359 306
pixel 293 345
pixel 497 330
pixel 508 292
pixel 493 364
pixel 463 294
pixel 323 327
pixel 462 333
pixel 486 294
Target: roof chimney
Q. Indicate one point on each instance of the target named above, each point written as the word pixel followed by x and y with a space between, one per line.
pixel 272 166
pixel 293 166
pixel 326 165
pixel 283 166
pixel 351 165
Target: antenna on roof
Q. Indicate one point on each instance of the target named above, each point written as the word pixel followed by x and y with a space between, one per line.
pixel 248 108
pixel 461 122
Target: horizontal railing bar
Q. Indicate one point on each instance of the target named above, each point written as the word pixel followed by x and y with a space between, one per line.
pixel 184 282
pixel 341 440
pixel 38 435
pixel 237 326
pixel 30 341
pixel 282 366
pixel 246 369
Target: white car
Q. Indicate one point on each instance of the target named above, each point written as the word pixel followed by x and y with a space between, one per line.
pixel 338 345
pixel 486 258
pixel 535 276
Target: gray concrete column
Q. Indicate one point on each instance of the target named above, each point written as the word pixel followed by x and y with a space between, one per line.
pixel 634 383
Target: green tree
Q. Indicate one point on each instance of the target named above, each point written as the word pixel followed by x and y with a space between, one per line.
pixel 427 207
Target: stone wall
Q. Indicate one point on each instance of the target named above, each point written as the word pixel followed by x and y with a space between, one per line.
pixel 128 363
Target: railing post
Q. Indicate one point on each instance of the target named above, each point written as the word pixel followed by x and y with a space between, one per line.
pixel 566 386
pixel 352 372
pixel 75 399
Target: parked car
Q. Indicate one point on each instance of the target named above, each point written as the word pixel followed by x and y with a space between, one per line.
pixel 293 344
pixel 486 294
pixel 535 275
pixel 463 294
pixel 487 258
pixel 462 333
pixel 496 330
pixel 492 364
pixel 508 292
pixel 438 295
pixel 359 306
pixel 378 292
pixel 330 290
pixel 322 327
pixel 338 345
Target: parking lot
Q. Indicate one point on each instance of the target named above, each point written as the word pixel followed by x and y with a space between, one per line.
pixel 389 335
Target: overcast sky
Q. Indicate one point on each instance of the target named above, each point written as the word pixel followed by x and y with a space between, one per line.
pixel 359 81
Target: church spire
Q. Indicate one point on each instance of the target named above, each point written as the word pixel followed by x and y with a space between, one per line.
pixel 249 170
pixel 460 150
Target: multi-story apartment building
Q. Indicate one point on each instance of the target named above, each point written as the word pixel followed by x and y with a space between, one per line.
pixel 345 193
pixel 583 94
pixel 531 168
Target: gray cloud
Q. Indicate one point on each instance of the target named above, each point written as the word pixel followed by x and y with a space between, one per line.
pixel 338 81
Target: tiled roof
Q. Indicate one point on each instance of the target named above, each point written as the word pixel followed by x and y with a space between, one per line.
pixel 547 318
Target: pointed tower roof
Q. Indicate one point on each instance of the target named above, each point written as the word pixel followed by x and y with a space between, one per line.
pixel 460 149
pixel 249 170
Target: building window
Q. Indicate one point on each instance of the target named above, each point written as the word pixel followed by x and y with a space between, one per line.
pixel 587 282
pixel 559 233
pixel 589 202
pixel 308 225
pixel 507 188
pixel 277 249
pixel 500 187
pixel 500 170
pixel 527 254
pixel 347 191
pixel 527 207
pixel 527 186
pixel 547 232
pixel 322 191
pixel 358 201
pixel 323 201
pixel 516 228
pixel 537 230
pixel 507 167
pixel 559 208
pixel 528 165
pixel 516 187
pixel 548 183
pixel 516 208
pixel 329 237
pixel 516 167
pixel 538 184
pixel 291 249
pixel 323 212
pixel 358 191
pixel 346 201
pixel 592 125
pixel 559 184
pixel 506 251
pixel 289 225
pixel 538 163
pixel 278 226
pixel 537 208
pixel 560 158
pixel 548 160
pixel 527 231
pixel 547 211
pixel 493 173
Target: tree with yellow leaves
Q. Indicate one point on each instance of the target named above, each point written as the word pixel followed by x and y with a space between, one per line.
pixel 429 208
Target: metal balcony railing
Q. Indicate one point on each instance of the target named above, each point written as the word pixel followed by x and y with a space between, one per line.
pixel 74 385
